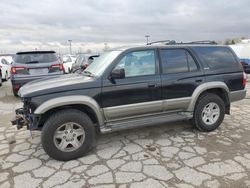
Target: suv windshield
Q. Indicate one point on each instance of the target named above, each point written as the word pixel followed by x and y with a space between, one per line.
pixel 101 63
pixel 27 58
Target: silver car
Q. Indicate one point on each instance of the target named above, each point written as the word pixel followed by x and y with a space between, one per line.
pixel 32 65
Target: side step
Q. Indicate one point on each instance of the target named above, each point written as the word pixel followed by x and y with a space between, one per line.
pixel 142 122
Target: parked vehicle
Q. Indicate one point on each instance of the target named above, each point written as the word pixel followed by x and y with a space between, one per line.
pixel 9 58
pixel 133 87
pixel 83 61
pixel 5 67
pixel 246 65
pixel 68 61
pixel 33 65
pixel 0 77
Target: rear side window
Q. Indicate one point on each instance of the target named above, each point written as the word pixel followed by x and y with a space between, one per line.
pixel 35 58
pixel 177 61
pixel 217 57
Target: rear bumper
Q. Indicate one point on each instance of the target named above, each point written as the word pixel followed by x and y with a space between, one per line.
pixel 238 95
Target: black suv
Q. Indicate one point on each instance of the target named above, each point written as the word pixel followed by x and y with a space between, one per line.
pixel 132 87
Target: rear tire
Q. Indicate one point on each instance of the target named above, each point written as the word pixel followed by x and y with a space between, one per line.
pixel 14 92
pixel 64 144
pixel 209 112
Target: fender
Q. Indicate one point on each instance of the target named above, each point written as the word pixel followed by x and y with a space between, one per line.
pixel 69 100
pixel 203 87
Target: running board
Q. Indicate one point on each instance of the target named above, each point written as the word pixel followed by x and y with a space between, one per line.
pixel 142 122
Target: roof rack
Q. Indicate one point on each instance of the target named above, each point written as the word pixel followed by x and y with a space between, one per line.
pixel 196 42
pixel 204 42
pixel 162 41
pixel 172 42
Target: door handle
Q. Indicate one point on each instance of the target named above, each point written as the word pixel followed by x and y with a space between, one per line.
pixel 199 80
pixel 152 85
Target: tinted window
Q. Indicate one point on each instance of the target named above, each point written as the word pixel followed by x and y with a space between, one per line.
pixel 217 57
pixel 35 58
pixel 191 63
pixel 138 63
pixel 177 61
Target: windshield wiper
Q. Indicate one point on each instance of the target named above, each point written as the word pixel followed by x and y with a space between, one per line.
pixel 30 62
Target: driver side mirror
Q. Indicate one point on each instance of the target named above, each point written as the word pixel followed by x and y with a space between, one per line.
pixel 118 73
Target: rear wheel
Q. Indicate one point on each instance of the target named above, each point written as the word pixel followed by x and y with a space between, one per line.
pixel 209 112
pixel 14 92
pixel 68 134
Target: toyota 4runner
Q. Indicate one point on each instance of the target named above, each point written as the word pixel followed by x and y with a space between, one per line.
pixel 132 87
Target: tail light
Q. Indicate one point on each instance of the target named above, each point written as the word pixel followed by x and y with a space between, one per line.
pixel 56 66
pixel 244 81
pixel 19 70
pixel 244 63
pixel 85 66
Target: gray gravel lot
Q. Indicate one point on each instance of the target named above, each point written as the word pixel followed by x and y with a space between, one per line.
pixel 169 155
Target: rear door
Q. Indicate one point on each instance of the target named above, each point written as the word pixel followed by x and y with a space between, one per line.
pixel 139 93
pixel 181 74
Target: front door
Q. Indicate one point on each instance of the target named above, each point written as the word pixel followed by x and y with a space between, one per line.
pixel 139 93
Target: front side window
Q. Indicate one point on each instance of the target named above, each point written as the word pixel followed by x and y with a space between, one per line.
pixel 138 63
pixel 177 61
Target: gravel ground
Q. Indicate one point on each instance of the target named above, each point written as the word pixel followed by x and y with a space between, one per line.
pixel 169 155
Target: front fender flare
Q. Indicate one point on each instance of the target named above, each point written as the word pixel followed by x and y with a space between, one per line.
pixel 71 100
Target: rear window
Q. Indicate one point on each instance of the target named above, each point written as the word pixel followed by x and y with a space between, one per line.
pixel 217 57
pixel 35 58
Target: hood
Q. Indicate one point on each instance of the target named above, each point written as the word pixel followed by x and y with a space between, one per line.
pixel 55 84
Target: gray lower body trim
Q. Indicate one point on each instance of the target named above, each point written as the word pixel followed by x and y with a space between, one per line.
pixel 144 108
pixel 131 110
pixel 178 104
pixel 237 95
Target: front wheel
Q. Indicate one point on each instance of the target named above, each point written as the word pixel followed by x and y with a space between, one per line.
pixel 209 112
pixel 68 134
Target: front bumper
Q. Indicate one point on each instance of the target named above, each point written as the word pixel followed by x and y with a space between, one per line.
pixel 22 119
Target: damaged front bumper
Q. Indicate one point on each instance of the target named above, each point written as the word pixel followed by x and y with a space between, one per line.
pixel 22 119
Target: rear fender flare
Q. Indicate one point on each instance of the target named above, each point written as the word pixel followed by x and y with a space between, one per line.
pixel 203 87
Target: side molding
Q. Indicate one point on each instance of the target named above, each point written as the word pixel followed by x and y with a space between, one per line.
pixel 69 100
pixel 203 87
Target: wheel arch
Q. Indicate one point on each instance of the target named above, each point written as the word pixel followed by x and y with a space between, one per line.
pixel 83 103
pixel 218 88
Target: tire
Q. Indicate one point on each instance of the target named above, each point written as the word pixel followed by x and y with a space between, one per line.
pixel 14 92
pixel 206 119
pixel 51 144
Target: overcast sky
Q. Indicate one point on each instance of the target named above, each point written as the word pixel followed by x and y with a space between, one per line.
pixel 48 24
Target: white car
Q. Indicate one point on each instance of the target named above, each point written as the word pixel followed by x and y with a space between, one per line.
pixel 5 67
pixel 68 61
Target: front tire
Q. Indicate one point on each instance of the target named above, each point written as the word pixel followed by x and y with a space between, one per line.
pixel 68 134
pixel 209 112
